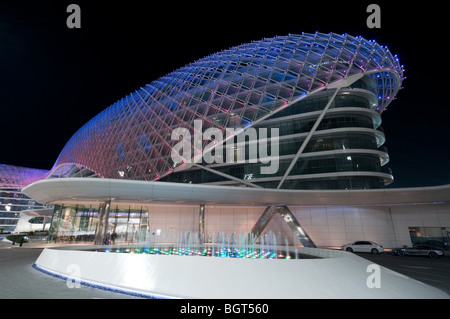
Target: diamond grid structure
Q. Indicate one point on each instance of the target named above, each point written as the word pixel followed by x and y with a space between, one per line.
pixel 234 88
pixel 16 177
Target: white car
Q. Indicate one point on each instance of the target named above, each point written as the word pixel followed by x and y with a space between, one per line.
pixel 363 246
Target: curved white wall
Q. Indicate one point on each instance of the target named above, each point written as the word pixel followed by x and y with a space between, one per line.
pixel 337 275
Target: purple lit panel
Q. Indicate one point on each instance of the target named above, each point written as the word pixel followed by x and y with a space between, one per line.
pixel 19 177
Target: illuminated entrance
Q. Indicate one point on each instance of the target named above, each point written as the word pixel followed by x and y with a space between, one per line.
pixel 100 224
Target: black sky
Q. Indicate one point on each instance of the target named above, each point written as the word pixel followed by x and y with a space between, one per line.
pixel 54 79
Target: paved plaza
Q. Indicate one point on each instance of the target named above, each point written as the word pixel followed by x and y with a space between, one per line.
pixel 19 280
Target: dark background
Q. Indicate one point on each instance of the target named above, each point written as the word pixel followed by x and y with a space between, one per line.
pixel 54 79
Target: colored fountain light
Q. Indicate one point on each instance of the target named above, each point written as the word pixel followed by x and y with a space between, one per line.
pixel 224 246
pixel 208 251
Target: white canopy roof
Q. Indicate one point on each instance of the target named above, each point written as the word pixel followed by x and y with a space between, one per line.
pixel 94 190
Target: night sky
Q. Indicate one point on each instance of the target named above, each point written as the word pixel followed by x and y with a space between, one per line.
pixel 54 79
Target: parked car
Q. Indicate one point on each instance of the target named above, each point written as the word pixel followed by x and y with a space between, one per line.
pixel 433 243
pixel 419 250
pixel 363 246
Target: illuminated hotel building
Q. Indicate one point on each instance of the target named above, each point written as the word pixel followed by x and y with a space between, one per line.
pixel 323 93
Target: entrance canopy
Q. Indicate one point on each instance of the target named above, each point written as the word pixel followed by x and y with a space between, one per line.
pixel 94 190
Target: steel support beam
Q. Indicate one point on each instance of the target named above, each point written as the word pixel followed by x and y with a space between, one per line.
pixel 290 220
pixel 307 139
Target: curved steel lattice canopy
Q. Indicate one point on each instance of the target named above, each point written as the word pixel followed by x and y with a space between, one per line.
pixel 234 88
pixel 16 177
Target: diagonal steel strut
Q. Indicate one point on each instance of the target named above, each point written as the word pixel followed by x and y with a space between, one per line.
pixel 290 220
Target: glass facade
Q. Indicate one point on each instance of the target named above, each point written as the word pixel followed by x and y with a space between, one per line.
pixel 282 82
pixel 346 147
pixel 100 224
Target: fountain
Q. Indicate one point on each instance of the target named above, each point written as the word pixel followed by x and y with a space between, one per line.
pixel 236 245
pixel 181 265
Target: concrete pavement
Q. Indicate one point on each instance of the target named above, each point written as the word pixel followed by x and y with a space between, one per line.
pixel 19 280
